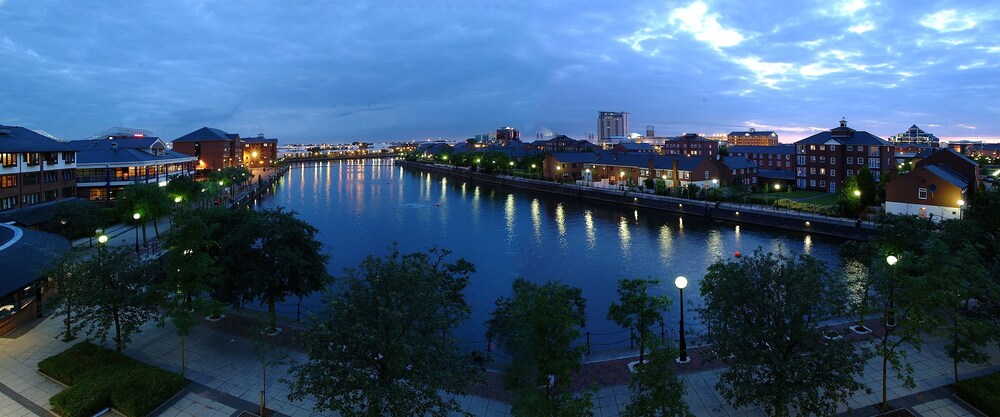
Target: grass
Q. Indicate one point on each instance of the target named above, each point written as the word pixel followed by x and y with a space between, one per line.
pixel 100 377
pixel 826 200
pixel 981 393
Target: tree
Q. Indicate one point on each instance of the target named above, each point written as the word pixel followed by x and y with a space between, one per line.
pixel 772 341
pixel 656 389
pixel 76 218
pixel 190 268
pixel 638 309
pixel 850 202
pixel 868 187
pixel 185 187
pixel 117 300
pixel 537 327
pixel 384 344
pixel 68 275
pixel 267 256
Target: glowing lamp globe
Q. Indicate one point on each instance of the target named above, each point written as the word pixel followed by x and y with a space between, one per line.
pixel 681 282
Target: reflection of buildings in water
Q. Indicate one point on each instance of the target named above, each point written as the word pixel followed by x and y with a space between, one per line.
pixel 508 210
pixel 536 220
pixel 625 236
pixel 561 219
pixel 588 221
pixel 807 245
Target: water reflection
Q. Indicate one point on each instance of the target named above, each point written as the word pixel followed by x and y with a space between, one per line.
pixel 625 237
pixel 588 219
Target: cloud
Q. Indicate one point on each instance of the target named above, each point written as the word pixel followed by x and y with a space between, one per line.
pixel 948 21
pixel 767 73
pixel 862 28
pixel 816 70
pixel 796 129
pixel 705 26
pixel 976 64
pixel 965 126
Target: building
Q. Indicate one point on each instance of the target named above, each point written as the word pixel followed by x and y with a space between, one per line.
pixel 106 165
pixel 24 254
pixel 767 157
pixel 691 144
pixel 213 148
pixel 566 166
pixel 34 168
pixel 915 135
pixel 633 147
pixel 612 124
pixel 259 151
pixel 752 138
pixel 954 161
pixel 562 143
pixel 929 191
pixel 824 160
pixel 506 135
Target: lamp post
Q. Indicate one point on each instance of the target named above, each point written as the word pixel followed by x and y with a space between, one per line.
pixel 533 170
pixel 682 355
pixel 136 217
pixel 621 180
pixel 961 206
pixel 891 314
pixel 777 187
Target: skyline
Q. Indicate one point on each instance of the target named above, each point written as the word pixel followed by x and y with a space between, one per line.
pixel 395 71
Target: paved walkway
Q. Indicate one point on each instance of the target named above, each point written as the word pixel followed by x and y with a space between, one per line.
pixel 227 378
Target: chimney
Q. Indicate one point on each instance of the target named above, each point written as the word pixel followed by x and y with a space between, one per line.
pixel 677 180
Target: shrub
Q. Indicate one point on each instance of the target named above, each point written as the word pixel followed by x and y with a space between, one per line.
pixel 808 208
pixel 981 393
pixel 101 377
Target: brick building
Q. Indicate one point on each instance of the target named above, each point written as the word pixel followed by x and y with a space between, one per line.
pixel 767 157
pixel 691 144
pixel 825 159
pixel 34 168
pixel 214 148
pixel 752 138
pixel 259 151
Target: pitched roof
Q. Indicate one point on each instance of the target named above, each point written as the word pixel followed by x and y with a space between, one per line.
pixel 948 175
pixel 24 253
pixel 844 135
pixel 778 174
pixel 780 149
pixel 754 133
pixel 204 134
pixel 738 162
pixel 574 157
pixel 632 146
pixel 20 139
pixel 105 151
pixel 684 163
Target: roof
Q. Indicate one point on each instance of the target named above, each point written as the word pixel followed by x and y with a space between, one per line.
pixel 104 151
pixel 30 216
pixel 778 174
pixel 754 133
pixel 684 163
pixel 19 139
pixel 24 253
pixel 205 134
pixel 632 146
pixel 259 140
pixel 780 149
pixel 738 162
pixel 948 175
pixel 845 136
pixel 573 157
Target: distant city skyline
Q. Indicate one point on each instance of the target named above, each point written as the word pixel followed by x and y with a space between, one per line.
pixel 395 70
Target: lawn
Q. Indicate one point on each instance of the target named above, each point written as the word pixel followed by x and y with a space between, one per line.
pixel 982 393
pixel 101 378
pixel 826 200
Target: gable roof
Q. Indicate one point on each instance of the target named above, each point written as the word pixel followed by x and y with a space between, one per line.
pixel 844 135
pixel 205 134
pixel 118 151
pixel 632 146
pixel 948 175
pixel 738 162
pixel 19 139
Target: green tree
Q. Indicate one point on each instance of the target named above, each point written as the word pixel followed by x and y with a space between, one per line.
pixel 76 218
pixel 68 275
pixel 537 327
pixel 267 256
pixel 185 187
pixel 656 389
pixel 638 309
pixel 190 268
pixel 772 341
pixel 850 201
pixel 117 296
pixel 389 321
pixel 868 187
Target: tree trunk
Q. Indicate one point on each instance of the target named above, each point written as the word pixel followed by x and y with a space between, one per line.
pixel 69 321
pixel 642 348
pixel 272 316
pixel 156 229
pixel 182 356
pixel 885 402
pixel 145 244
pixel 118 330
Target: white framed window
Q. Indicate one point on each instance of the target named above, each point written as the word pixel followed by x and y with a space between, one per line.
pixel 875 175
pixel 812 183
pixel 833 173
pixel 802 160
pixel 822 184
pixel 850 148
pixel 850 172
pixel 874 163
pixel 800 183
pixel 922 193
pixel 812 158
pixel 800 171
pixel 833 160
pixel 850 160
pixel 812 170
pixel 822 171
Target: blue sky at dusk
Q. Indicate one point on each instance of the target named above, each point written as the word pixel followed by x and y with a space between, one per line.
pixel 400 69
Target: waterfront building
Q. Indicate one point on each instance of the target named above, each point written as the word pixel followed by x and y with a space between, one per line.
pixel 506 135
pixel 824 160
pixel 633 147
pixel 752 138
pixel 213 148
pixel 24 255
pixel 914 135
pixel 34 168
pixel 976 148
pixel 562 143
pixel 767 157
pixel 930 190
pixel 106 165
pixel 611 125
pixel 691 144
pixel 259 151
pixel 567 166
pixel 634 168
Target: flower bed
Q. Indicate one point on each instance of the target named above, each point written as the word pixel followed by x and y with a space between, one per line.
pixel 100 378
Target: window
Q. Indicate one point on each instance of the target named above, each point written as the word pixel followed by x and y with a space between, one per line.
pixel 850 172
pixel 875 175
pixel 801 160
pixel 51 177
pixel 812 183
pixel 812 170
pixel 833 173
pixel 706 175
pixel 8 203
pixel 833 160
pixel 800 183
pixel 51 195
pixel 8 159
pixel 822 148
pixel 68 174
pixel 788 164
pixel 850 148
pixel 51 158
pixel 800 171
pixel 833 148
pixel 69 157
pixel 822 184
pixel 822 159
pixel 812 147
pixel 922 193
pixel 812 158
pixel 861 161
pixel 30 178
pixel 873 163
pixel 32 159
pixel 8 181
pixel 873 150
pixel 822 171
pixel 833 187
pixel 850 160
pixel 30 199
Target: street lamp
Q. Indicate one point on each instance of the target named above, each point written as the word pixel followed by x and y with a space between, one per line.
pixel 177 199
pixel 777 187
pixel 961 205
pixel 682 355
pixel 136 217
pixel 891 314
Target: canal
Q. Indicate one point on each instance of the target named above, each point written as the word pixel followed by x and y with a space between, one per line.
pixel 362 206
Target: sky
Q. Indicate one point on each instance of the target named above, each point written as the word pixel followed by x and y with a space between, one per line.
pixel 340 71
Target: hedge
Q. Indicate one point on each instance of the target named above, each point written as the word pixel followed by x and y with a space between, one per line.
pixel 981 393
pixel 100 377
pixel 808 208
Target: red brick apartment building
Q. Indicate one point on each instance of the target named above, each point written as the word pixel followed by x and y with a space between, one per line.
pixel 213 148
pixel 691 144
pixel 34 168
pixel 752 138
pixel 825 159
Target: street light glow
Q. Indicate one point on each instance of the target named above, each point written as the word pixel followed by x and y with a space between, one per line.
pixel 961 203
pixel 177 199
pixel 136 216
pixel 857 193
pixel 681 282
pixel 102 239
pixel 891 260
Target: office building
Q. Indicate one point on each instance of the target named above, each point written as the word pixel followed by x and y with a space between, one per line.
pixel 611 125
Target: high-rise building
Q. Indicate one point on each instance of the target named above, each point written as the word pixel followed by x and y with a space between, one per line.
pixel 507 134
pixel 915 135
pixel 611 124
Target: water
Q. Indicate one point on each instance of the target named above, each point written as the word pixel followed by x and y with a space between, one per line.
pixel 360 207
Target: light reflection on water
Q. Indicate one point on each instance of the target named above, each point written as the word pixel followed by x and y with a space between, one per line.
pixel 361 207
